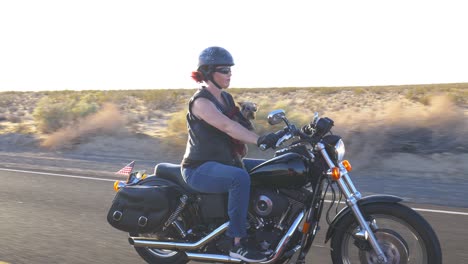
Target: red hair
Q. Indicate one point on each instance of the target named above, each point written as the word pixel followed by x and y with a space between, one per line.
pixel 197 76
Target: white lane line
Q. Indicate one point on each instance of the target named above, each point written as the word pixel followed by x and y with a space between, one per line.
pixel 60 175
pixel 425 210
pixel 112 180
pixel 439 211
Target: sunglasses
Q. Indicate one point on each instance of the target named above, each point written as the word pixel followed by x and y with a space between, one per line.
pixel 223 70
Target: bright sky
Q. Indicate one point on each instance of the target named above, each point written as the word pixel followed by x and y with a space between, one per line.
pixel 97 44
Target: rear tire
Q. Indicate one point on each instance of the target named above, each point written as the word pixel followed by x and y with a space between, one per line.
pixel 404 235
pixel 161 256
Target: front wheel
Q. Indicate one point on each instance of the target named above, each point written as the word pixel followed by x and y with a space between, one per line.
pixel 404 236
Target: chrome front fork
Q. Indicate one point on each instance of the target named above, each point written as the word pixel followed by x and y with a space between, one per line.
pixel 352 196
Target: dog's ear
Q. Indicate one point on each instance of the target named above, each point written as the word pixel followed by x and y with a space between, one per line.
pixel 241 105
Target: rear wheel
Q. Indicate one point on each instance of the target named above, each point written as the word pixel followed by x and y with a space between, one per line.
pixel 404 236
pixel 160 256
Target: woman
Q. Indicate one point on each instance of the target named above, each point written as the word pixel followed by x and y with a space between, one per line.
pixel 209 163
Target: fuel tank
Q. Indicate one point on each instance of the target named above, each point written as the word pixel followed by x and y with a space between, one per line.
pixel 286 171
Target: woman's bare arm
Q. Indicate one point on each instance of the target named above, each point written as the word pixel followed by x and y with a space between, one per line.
pixel 207 111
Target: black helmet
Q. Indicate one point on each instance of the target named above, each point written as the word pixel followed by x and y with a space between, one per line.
pixel 212 56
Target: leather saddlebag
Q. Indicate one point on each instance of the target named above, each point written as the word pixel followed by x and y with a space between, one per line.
pixel 144 207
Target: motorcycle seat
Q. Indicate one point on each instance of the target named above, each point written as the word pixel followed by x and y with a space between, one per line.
pixel 172 173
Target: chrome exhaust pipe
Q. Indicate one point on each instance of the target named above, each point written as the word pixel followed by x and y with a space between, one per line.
pixel 152 243
pixel 277 254
pixel 212 258
pixel 285 240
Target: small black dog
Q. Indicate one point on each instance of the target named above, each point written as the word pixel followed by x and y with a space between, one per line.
pixel 248 110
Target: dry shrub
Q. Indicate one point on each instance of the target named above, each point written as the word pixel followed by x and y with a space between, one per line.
pixel 106 121
pixel 22 129
pixel 438 127
pixel 7 99
pixel 163 98
pixel 63 109
pixel 14 119
pixel 176 131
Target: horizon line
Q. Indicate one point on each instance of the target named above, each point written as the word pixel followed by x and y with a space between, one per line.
pixel 271 87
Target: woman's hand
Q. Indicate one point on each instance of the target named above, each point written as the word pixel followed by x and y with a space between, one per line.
pixel 268 140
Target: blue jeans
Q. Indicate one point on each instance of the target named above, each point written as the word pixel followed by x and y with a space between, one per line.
pixel 214 177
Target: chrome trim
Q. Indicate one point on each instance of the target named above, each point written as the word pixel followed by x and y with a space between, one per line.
pixel 212 258
pixel 183 201
pixel 117 215
pixel 362 234
pixel 348 181
pixel 295 256
pixel 269 205
pixel 285 240
pixel 351 200
pixel 177 225
pixel 152 243
pixel 374 225
pixel 142 221
pixel 340 146
pixel 279 225
pixel 321 147
pixel 259 221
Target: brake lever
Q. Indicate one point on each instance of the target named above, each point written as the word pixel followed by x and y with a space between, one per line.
pixel 283 139
pixel 284 135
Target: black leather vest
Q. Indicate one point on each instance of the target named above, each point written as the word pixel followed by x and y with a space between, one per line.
pixel 205 142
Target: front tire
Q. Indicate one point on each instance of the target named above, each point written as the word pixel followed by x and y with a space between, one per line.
pixel 403 234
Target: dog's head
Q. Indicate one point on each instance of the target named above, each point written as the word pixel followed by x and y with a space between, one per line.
pixel 248 109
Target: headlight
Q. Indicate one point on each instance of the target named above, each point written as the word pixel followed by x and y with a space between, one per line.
pixel 340 150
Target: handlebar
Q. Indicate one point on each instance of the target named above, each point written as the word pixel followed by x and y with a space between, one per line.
pixel 281 134
pixel 312 132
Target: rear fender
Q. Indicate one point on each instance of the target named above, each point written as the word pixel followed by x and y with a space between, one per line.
pixel 366 200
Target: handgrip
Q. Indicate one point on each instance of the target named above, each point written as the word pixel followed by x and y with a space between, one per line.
pixel 307 129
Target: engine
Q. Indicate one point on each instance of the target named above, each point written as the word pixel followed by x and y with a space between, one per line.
pixel 271 213
pixel 268 204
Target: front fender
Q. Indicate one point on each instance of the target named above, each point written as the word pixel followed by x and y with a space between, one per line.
pixel 366 200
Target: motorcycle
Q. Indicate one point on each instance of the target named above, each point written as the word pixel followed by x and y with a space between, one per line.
pixel 168 222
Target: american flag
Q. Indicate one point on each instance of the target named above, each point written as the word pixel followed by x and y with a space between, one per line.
pixel 127 169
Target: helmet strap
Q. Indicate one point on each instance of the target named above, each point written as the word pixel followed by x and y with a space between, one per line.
pixel 209 72
pixel 217 85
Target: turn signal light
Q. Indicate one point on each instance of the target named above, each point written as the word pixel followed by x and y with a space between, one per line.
pixel 347 165
pixel 305 228
pixel 335 173
pixel 118 185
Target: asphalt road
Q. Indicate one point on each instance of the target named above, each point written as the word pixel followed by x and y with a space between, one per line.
pixel 46 218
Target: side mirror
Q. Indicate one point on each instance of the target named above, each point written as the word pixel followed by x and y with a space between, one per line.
pixel 276 116
pixel 316 118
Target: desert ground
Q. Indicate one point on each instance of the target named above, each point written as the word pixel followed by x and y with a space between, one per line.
pixel 410 130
